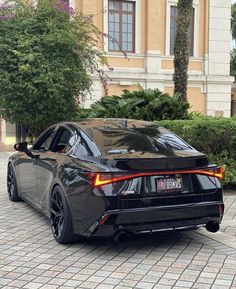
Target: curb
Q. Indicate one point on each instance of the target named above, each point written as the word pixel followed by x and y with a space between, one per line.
pixel 219 237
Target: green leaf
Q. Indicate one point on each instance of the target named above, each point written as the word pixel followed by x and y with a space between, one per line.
pixel 46 60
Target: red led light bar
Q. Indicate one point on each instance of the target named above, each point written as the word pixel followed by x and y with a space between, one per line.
pixel 99 181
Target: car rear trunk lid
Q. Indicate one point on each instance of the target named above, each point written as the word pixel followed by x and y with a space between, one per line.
pixel 173 160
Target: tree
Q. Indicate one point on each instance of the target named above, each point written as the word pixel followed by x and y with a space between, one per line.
pixel 47 57
pixel 233 63
pixel 181 51
pixel 233 21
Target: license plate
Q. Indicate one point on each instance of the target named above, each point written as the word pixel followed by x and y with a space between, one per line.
pixel 166 185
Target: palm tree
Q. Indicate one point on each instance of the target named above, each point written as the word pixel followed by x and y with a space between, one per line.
pixel 233 51
pixel 233 21
pixel 181 51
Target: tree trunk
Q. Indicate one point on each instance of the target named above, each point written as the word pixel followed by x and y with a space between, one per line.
pixel 181 51
pixel 233 22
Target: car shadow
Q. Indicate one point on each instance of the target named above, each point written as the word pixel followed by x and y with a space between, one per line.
pixel 162 240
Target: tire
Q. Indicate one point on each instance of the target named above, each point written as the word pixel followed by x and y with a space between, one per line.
pixel 60 218
pixel 11 185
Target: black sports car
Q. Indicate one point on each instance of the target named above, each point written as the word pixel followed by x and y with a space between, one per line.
pixel 115 177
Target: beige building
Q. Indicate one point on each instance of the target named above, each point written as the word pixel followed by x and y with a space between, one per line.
pixel 145 31
pixel 150 32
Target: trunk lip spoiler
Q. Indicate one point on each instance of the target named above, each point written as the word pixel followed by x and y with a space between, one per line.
pixel 211 171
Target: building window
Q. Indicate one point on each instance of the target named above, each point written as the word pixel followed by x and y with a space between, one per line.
pixel 121 25
pixel 173 19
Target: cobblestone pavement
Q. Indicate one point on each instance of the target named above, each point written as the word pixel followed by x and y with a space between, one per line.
pixel 229 224
pixel 30 258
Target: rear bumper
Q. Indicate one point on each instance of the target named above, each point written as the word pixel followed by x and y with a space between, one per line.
pixel 156 219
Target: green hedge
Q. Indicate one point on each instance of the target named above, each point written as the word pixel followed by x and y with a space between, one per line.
pixel 216 137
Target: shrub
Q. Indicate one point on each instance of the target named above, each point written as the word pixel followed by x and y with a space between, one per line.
pixel 83 113
pixel 216 137
pixel 143 104
pixel 46 61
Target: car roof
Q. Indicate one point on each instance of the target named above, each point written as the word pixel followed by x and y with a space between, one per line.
pixel 111 134
pixel 111 122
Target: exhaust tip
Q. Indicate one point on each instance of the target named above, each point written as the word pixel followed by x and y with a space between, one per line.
pixel 121 236
pixel 212 227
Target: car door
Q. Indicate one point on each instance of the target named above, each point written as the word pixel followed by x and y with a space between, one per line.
pixel 26 168
pixel 48 163
pixel 41 148
pixel 26 171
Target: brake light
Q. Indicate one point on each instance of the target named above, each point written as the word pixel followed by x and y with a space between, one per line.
pixel 217 173
pixel 105 179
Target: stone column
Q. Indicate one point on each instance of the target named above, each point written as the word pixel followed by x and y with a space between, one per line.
pixel 96 94
pixel 8 133
pixel 218 80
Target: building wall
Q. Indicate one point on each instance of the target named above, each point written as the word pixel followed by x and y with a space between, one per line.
pixel 151 66
pixel 196 97
pixel 7 134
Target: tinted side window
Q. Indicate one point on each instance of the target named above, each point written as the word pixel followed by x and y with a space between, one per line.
pixel 61 144
pixel 86 147
pixel 45 140
pixel 138 139
pixel 170 141
pixel 72 141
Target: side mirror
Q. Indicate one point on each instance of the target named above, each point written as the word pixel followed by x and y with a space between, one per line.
pixel 21 147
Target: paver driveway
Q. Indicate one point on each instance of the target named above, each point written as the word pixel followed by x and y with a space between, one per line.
pixel 30 258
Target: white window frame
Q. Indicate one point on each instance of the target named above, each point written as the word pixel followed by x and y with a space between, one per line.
pixel 196 26
pixel 137 26
pixel 72 4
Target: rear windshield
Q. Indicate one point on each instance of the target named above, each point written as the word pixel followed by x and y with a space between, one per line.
pixel 125 140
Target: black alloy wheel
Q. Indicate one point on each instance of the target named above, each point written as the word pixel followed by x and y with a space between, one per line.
pixel 60 217
pixel 11 185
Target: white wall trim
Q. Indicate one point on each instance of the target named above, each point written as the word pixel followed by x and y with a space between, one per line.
pixel 127 69
pixel 136 74
pixel 3 130
pixel 137 24
pixel 192 59
pixel 114 54
pixel 170 3
pixel 190 72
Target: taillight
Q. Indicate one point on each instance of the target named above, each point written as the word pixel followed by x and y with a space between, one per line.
pixel 218 172
pixel 104 179
pixel 101 179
